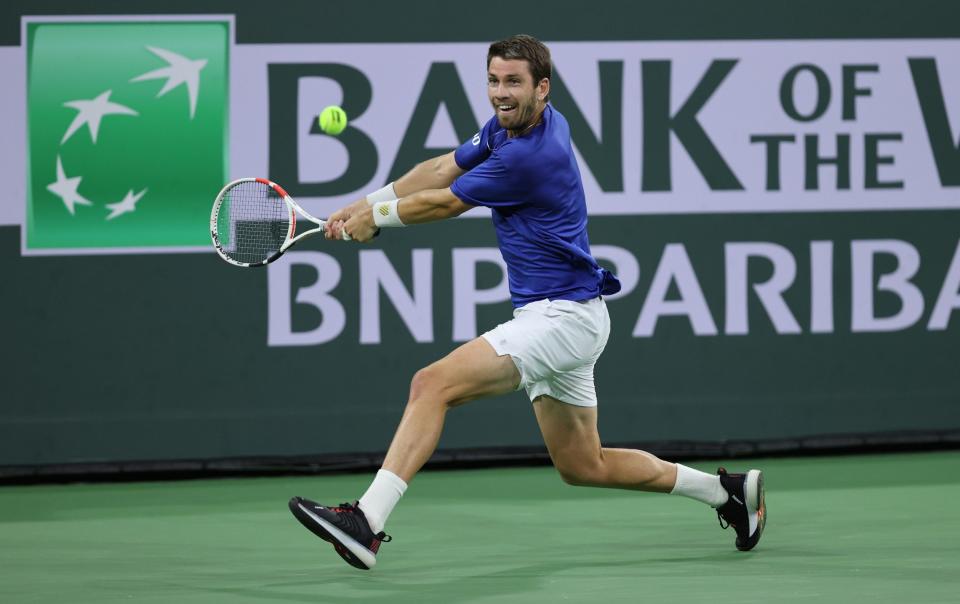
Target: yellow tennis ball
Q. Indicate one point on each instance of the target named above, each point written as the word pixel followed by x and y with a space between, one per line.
pixel 333 120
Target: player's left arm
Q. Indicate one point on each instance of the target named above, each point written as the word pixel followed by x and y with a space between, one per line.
pixel 421 207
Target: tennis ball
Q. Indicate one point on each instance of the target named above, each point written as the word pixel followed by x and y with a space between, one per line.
pixel 332 120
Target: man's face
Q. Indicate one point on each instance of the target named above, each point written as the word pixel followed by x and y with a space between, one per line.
pixel 512 92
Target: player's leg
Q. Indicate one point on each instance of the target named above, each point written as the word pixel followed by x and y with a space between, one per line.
pixel 570 433
pixel 471 371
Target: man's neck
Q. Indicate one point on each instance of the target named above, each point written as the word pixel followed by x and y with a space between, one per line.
pixel 513 133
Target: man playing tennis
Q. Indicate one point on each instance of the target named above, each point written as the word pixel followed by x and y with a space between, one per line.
pixel 522 166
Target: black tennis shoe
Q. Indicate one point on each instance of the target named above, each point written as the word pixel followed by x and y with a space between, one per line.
pixel 345 527
pixel 745 510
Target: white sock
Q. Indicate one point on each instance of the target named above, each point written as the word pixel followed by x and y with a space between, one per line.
pixel 700 486
pixel 384 493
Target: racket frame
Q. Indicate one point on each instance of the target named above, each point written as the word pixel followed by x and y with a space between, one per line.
pixel 293 208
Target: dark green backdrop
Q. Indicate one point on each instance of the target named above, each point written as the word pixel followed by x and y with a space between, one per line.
pixel 164 357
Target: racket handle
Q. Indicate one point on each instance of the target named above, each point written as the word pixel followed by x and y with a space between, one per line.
pixel 344 236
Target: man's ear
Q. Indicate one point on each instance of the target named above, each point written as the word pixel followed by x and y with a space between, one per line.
pixel 543 89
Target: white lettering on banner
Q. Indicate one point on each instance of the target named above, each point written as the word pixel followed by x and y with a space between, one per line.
pixel 704 127
pixel 376 272
pixel 279 312
pixel 415 307
pixel 466 296
pixel 13 106
pixel 770 291
pixel 821 287
pixel 778 126
pixel 675 267
pixel 949 298
pixel 898 283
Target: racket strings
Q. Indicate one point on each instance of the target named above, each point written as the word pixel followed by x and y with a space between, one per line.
pixel 252 222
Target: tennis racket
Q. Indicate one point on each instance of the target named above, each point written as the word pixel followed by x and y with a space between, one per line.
pixel 254 221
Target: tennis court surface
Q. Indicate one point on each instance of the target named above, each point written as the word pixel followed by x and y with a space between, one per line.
pixel 883 528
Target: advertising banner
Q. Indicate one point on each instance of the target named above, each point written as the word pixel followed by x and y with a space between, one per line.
pixel 783 213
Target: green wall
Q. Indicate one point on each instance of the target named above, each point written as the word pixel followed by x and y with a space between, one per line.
pixel 165 356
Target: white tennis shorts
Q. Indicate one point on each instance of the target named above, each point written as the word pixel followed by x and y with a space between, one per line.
pixel 555 344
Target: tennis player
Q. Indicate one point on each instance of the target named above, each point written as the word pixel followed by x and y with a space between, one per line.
pixel 522 166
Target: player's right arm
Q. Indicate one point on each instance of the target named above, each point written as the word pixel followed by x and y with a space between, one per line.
pixel 421 207
pixel 436 173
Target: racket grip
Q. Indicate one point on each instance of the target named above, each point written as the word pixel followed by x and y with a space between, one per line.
pixel 344 236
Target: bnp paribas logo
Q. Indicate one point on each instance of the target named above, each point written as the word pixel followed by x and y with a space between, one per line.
pixel 127 129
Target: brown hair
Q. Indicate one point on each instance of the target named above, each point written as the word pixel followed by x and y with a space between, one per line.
pixel 528 48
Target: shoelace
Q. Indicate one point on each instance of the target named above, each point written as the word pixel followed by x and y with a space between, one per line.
pixel 349 508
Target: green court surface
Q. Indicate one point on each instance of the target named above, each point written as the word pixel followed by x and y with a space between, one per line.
pixel 883 528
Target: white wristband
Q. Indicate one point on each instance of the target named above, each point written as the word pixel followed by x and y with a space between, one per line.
pixel 385 214
pixel 385 194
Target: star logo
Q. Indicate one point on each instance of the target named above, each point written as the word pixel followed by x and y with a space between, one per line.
pixel 126 205
pixel 91 112
pixel 123 172
pixel 179 70
pixel 66 189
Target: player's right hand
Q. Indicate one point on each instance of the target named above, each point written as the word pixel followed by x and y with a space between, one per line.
pixel 335 221
pixel 334 229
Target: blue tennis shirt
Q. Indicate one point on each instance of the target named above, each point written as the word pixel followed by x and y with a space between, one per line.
pixel 532 184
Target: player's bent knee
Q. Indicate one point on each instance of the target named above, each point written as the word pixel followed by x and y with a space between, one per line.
pixel 428 387
pixel 569 478
pixel 579 475
pixel 419 383
pixel 573 479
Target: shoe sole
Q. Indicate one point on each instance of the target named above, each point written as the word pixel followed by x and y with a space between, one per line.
pixel 754 495
pixel 349 548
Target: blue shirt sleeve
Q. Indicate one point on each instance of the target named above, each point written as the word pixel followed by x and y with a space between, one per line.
pixel 472 152
pixel 492 184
